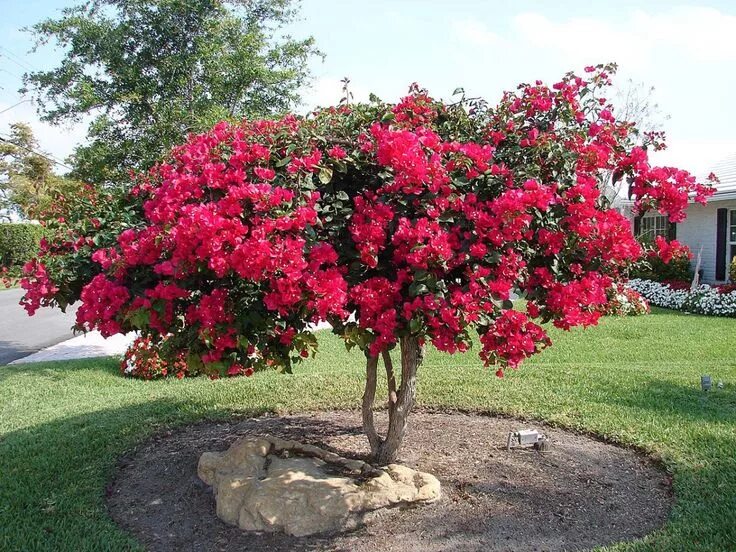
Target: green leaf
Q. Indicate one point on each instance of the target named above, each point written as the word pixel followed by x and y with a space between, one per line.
pixel 139 319
pixel 417 288
pixel 421 276
pixel 415 325
pixel 325 175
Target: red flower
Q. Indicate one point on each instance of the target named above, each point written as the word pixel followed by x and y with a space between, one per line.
pixel 434 216
pixel 670 250
pixel 336 152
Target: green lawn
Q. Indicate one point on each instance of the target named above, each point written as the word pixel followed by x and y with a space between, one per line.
pixel 635 381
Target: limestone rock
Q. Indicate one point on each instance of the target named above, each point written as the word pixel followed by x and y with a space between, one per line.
pixel 269 484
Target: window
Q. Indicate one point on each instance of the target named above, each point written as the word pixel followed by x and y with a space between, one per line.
pixel 658 225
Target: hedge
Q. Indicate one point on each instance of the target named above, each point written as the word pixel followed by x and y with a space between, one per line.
pixel 18 243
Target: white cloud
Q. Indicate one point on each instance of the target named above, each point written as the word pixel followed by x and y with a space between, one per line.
pixel 704 34
pixel 475 32
pixel 694 33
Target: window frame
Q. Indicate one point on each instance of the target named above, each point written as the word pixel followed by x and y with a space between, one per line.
pixel 657 229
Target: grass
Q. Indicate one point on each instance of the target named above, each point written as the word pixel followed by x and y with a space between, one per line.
pixel 633 381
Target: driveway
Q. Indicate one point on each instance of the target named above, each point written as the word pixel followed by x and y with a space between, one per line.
pixel 21 335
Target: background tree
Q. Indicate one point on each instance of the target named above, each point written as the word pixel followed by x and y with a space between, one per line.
pixel 28 184
pixel 151 72
pixel 635 102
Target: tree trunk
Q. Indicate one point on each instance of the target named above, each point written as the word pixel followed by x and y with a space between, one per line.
pixel 400 403
pixel 369 395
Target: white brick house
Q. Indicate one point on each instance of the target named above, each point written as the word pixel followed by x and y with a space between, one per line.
pixel 710 229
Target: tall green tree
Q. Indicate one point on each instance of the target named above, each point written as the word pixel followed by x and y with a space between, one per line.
pixel 151 71
pixel 28 184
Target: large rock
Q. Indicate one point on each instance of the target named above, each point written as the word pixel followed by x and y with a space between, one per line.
pixel 269 484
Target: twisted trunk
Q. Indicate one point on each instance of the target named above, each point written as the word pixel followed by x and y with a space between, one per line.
pixel 400 401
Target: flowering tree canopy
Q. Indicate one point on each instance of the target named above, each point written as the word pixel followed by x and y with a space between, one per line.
pixel 397 223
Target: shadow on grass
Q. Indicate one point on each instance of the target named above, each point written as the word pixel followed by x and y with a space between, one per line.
pixel 100 364
pixel 54 474
pixel 683 401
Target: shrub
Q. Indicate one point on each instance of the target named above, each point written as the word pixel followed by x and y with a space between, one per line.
pixel 665 261
pixel 705 299
pixel 726 288
pixel 732 270
pixel 624 301
pixel 400 224
pixel 143 360
pixel 147 358
pixel 19 243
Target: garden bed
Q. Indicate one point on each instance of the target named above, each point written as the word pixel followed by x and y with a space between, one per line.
pixel 581 494
pixel 705 299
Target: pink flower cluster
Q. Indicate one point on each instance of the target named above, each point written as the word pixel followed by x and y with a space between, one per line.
pixel 668 250
pixel 39 289
pixel 415 218
pixel 666 189
pixel 513 338
pixel 102 301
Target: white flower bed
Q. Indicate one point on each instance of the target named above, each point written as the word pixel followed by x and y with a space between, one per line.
pixel 704 300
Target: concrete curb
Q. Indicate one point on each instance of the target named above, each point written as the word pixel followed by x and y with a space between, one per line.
pixel 93 345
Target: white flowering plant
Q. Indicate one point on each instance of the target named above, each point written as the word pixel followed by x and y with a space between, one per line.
pixel 705 299
pixel 624 301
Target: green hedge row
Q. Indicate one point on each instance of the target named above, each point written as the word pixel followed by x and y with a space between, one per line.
pixel 18 243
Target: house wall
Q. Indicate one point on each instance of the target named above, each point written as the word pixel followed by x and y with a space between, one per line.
pixel 700 229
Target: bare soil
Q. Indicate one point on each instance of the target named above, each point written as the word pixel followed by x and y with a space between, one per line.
pixel 580 494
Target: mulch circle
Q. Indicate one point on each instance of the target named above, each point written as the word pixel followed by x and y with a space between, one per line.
pixel 580 494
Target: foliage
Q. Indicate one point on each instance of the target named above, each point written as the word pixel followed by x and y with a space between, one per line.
pixel 705 299
pixel 147 359
pixel 420 218
pixel 19 243
pixel 732 270
pixel 631 381
pixel 150 72
pixel 75 226
pixel 664 261
pixel 142 360
pixel 624 301
pixel 28 184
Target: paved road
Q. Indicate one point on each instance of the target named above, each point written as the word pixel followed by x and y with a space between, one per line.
pixel 21 335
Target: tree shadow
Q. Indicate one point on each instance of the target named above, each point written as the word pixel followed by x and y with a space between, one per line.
pixel 683 401
pixel 521 506
pixel 54 474
pixel 51 367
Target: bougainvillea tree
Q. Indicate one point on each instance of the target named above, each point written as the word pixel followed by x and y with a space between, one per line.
pixel 400 224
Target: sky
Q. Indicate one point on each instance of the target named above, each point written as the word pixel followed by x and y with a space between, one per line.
pixel 686 51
